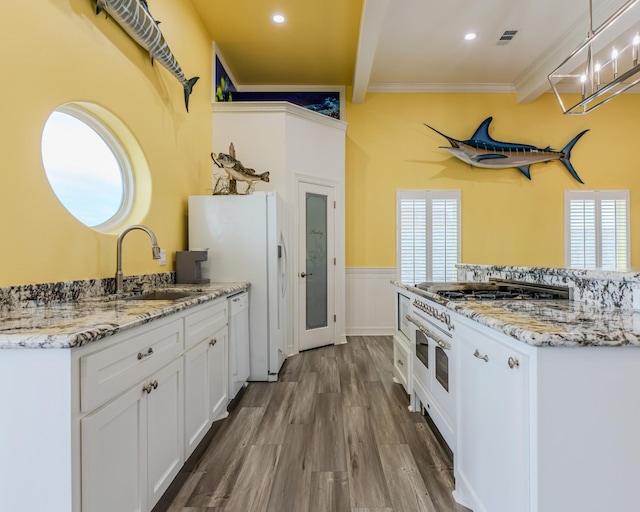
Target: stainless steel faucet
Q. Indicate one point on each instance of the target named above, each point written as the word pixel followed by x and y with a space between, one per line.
pixel 154 247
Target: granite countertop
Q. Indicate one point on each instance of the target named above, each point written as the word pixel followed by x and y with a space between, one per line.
pixel 69 324
pixel 549 323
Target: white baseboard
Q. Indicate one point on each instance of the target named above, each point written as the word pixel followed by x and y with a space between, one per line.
pixel 370 301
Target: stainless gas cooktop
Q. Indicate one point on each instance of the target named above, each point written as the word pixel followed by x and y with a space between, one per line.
pixel 496 289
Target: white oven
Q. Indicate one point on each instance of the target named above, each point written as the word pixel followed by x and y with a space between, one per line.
pixel 434 365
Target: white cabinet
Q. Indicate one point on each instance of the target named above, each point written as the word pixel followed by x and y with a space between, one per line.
pixel 403 350
pixel 197 417
pixel 165 427
pixel 119 413
pixel 205 373
pixel 238 346
pixel 106 373
pixel 218 379
pixel 492 457
pixel 149 404
pixel 402 360
pixel 134 444
pixel 114 452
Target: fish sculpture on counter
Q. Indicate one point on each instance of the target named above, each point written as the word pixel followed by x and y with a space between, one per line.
pixel 236 171
pixel 134 17
pixel 483 151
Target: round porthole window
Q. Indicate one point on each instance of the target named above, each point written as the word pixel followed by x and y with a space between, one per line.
pixel 87 167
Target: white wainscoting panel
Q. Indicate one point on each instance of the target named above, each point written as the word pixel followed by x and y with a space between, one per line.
pixel 369 297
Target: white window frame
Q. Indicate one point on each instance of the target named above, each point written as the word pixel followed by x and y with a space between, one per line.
pixel 428 196
pixel 115 145
pixel 597 196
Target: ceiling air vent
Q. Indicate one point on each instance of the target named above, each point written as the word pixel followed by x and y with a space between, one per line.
pixel 506 37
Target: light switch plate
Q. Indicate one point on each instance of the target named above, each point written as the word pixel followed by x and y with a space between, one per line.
pixel 163 257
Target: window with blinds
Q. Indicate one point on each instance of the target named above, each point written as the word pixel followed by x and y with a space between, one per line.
pixel 428 235
pixel 597 229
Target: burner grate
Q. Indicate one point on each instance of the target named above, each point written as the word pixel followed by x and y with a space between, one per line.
pixel 503 290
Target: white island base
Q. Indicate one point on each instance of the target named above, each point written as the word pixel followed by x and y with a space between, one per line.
pixel 546 429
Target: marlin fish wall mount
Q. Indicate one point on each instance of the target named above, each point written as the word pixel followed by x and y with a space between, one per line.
pixel 134 17
pixel 483 151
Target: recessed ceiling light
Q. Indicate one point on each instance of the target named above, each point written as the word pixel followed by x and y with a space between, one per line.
pixel 470 36
pixel 278 18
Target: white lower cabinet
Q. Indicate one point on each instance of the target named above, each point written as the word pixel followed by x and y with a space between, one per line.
pixel 205 386
pixel 403 344
pixel 492 457
pixel 196 386
pixel 134 444
pixel 135 432
pixel 114 452
pixel 165 427
pixel 402 360
pixel 218 378
pixel 545 429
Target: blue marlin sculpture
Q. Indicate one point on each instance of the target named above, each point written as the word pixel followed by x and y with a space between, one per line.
pixel 134 17
pixel 483 151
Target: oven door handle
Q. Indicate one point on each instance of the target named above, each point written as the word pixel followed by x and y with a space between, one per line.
pixel 443 344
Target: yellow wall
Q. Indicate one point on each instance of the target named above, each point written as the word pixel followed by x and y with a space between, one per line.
pixel 506 219
pixel 59 51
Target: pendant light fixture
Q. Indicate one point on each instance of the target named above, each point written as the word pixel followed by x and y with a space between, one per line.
pixel 603 66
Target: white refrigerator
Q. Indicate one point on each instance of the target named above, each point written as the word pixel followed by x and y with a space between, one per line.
pixel 246 237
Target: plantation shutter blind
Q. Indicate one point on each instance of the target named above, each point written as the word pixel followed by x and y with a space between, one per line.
pixel 597 229
pixel 583 233
pixel 428 231
pixel 614 234
pixel 444 239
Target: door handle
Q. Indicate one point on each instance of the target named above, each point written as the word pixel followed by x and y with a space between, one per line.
pixel 304 274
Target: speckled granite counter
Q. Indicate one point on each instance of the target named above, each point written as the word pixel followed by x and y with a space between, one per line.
pixel 559 323
pixel 68 324
pixel 599 287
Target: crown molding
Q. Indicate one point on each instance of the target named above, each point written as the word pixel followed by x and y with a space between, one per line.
pixel 446 88
pixel 283 107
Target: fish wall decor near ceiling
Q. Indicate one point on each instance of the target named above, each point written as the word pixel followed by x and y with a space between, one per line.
pixel 134 17
pixel 483 151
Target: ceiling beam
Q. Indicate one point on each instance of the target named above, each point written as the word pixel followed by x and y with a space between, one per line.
pixel 373 14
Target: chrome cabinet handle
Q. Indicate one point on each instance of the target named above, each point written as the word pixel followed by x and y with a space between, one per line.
pixel 150 387
pixel 513 363
pixel 304 274
pixel 485 357
pixel 213 342
pixel 141 355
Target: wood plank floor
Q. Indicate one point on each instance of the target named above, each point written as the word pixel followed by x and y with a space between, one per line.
pixel 332 435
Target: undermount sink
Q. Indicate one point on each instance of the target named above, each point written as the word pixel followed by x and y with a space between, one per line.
pixel 162 295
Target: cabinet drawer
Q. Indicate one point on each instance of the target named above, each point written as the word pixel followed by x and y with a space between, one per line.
pixel 401 362
pixel 106 373
pixel 202 323
pixel 496 353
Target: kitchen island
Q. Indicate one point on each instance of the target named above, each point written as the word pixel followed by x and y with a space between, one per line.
pixel 105 396
pixel 547 400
